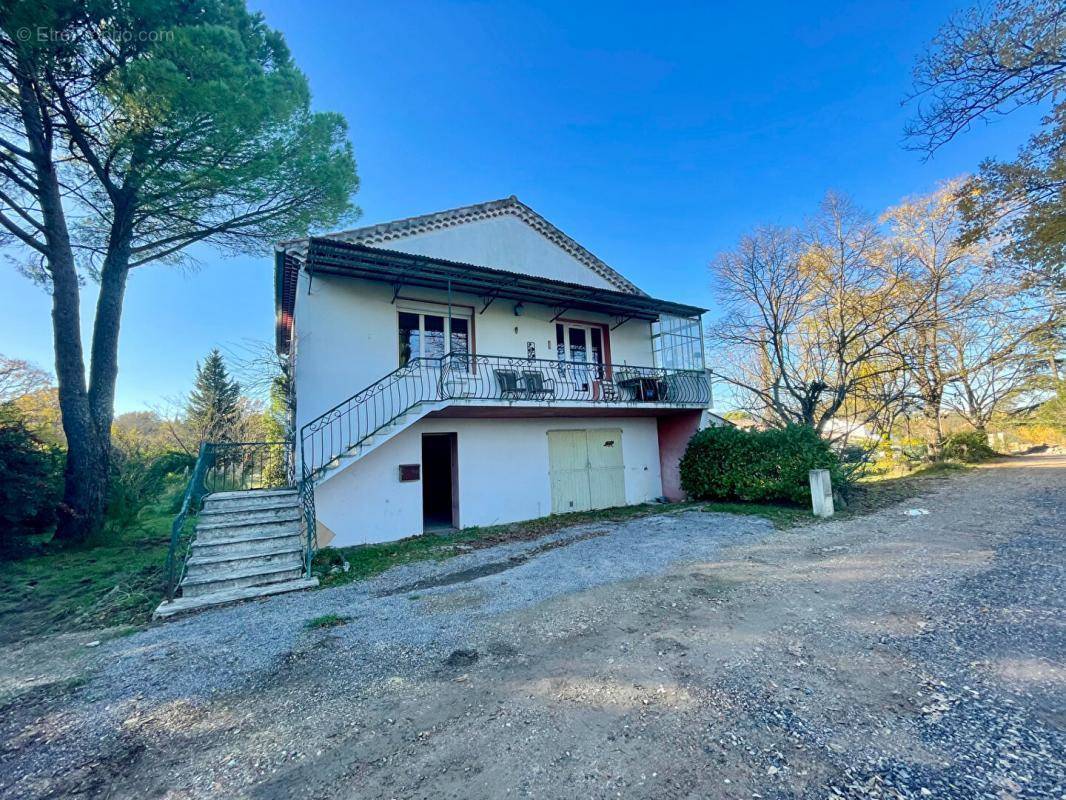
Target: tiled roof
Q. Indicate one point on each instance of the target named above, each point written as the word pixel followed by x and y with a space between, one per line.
pixel 378 235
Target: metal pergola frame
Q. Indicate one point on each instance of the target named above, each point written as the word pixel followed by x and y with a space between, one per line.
pixel 328 256
pixel 333 257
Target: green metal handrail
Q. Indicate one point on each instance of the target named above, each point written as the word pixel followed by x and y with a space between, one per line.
pixel 194 493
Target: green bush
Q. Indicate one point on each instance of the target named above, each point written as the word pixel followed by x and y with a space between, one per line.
pixel 138 480
pixel 755 466
pixel 970 447
pixel 30 483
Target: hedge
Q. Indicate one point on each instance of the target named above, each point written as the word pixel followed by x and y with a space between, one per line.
pixel 971 446
pixel 755 466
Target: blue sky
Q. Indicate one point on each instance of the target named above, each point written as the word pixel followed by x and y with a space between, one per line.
pixel 654 135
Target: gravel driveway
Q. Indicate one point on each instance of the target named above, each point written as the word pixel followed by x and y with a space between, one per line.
pixel 685 655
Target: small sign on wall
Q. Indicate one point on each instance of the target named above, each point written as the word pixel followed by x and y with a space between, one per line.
pixel 410 472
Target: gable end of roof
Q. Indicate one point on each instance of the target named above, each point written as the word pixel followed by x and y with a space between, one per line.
pixel 378 235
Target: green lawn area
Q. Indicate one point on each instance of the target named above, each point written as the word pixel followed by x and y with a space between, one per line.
pixel 115 581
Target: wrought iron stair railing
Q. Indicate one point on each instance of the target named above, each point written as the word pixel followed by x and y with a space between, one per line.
pixel 338 431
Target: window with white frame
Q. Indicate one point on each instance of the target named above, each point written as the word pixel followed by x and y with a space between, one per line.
pixel 677 343
pixel 426 332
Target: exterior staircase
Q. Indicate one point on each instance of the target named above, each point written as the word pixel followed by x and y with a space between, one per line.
pixel 252 542
pixel 376 440
pixel 248 544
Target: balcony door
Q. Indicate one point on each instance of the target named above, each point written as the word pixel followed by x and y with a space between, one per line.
pixel 582 346
pixel 427 333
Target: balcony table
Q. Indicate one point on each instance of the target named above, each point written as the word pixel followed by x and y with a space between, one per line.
pixel 646 390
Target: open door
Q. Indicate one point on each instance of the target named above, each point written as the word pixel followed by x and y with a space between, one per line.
pixel 440 481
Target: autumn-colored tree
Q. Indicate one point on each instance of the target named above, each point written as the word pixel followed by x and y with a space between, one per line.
pixel 970 324
pixel 991 356
pixel 809 316
pixel 19 377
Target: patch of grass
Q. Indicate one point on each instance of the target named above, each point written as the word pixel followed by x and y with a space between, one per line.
pixel 365 561
pixel 114 580
pixel 326 621
pixel 938 469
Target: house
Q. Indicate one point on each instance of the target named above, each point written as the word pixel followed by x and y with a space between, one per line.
pixel 471 367
pixel 845 429
pixel 478 366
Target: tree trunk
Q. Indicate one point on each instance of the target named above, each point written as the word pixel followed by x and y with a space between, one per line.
pixel 81 514
pixel 936 443
pixel 82 505
pixel 86 411
pixel 81 511
pixel 89 462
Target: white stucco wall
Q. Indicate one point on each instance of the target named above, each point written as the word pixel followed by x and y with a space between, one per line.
pixel 504 242
pixel 346 335
pixel 503 476
pixel 346 338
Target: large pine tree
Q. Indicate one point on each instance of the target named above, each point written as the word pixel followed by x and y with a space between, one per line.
pixel 214 404
pixel 118 151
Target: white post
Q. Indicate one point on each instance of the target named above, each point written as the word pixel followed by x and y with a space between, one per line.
pixel 821 492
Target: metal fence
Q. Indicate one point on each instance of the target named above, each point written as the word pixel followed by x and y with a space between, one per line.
pixel 237 466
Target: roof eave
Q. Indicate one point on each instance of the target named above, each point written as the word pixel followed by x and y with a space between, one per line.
pixel 371 263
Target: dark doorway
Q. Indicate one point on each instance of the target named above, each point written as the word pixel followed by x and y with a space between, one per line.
pixel 440 485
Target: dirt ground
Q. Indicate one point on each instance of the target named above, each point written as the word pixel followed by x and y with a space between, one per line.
pixel 893 655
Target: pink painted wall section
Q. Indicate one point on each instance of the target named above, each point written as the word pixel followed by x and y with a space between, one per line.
pixel 674 433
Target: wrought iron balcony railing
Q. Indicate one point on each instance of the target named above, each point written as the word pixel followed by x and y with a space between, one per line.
pixel 544 381
pixel 496 379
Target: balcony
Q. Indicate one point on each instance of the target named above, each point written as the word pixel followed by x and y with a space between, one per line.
pixel 505 379
pixel 489 384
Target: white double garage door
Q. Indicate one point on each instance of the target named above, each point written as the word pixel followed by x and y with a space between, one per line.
pixel 587 469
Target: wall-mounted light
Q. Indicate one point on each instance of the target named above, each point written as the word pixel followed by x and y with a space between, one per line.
pixel 519 309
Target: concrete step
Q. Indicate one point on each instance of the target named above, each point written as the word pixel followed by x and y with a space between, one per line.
pixel 366 447
pixel 228 564
pixel 236 528
pixel 185 605
pixel 244 494
pixel 249 543
pixel 251 501
pixel 212 519
pixel 257 576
